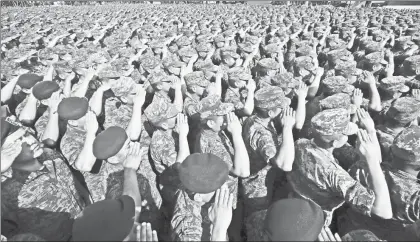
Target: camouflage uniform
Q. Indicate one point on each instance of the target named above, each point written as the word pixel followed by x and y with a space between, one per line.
pixel 197 78
pixel 237 96
pixel 316 174
pixel 45 201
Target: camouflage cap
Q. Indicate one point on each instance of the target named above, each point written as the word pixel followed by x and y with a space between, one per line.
pixel 372 47
pixel 238 73
pixel 404 110
pixel 270 97
pixel 401 41
pixel 305 63
pixel 336 84
pixel 213 106
pixel 285 80
pixel 339 100
pixel 149 63
pixel 44 90
pixel 406 145
pixel 333 122
pixel 340 54
pixel 375 58
pixel 393 84
pixel 187 52
pixel 160 110
pixel 229 51
pixel 347 69
pixel 203 47
pixel 219 38
pixel 412 65
pixel 196 78
pixel 271 48
pixel 157 77
pixel 183 41
pixel 360 235
pixel 337 44
pixel 172 63
pixel 305 50
pixel 269 64
pixel 246 47
pixel 157 44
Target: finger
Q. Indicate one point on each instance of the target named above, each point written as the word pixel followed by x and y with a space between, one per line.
pixel 324 235
pixel 143 235
pixel 14 136
pixel 337 237
pixel 320 238
pixel 216 199
pixel 155 237
pixel 149 235
pixel 330 235
pixel 294 114
pixel 138 233
pixel 224 195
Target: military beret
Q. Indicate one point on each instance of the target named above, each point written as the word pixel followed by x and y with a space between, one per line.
pixel 213 106
pixel 196 78
pixel 270 97
pixel 333 122
pixel 336 84
pixel 269 63
pixel 187 52
pixel 107 220
pixel 305 50
pixel 73 108
pixel 160 111
pixel 219 38
pixel 238 73
pixel 360 235
pixel 284 80
pixel 393 84
pixel 406 145
pixel 229 51
pixel 404 109
pixel 28 80
pixel 293 219
pixel 109 142
pixel 203 173
pixel 412 65
pixel 44 90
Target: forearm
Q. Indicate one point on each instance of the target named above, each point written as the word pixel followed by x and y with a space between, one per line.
pixel 184 149
pixel 178 100
pixel 135 125
pixel 7 90
pixel 241 166
pixel 131 188
pixel 351 43
pixel 82 89
pixel 313 88
pixel 86 158
pixel 300 113
pixel 95 103
pixel 382 204
pixel 51 132
pixel 249 105
pixel 67 87
pixel 219 86
pixel 375 98
pixel 286 154
pixel 218 234
pixel 28 112
pixel 390 69
pixel 50 74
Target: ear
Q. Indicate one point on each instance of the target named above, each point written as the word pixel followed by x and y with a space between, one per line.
pixel 197 197
pixel 210 123
pixel 194 88
pixel 44 102
pixel 301 72
pixel 164 125
pixel 271 113
pixel 376 67
pixel 159 86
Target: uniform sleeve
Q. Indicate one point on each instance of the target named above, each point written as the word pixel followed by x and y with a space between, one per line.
pixel 71 145
pixel 264 145
pixel 161 156
pixel 230 97
pixel 360 198
pixel 189 107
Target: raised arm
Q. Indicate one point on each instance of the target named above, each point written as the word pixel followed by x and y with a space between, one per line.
pixel 301 93
pixel 7 90
pixel 135 125
pixel 182 130
pixel 286 153
pixel 86 158
pixel 241 166
pixel 52 132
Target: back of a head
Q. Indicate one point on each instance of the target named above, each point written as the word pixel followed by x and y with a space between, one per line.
pixel 26 237
pixel 360 235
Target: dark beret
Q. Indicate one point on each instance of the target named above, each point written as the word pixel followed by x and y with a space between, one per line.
pixel 109 142
pixel 360 235
pixel 72 108
pixel 107 220
pixel 293 219
pixel 44 90
pixel 28 80
pixel 203 173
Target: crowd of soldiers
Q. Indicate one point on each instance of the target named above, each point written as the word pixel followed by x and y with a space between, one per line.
pixel 136 122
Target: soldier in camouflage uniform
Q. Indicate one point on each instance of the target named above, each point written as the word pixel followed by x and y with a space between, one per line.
pixel 39 187
pixel 316 174
pixel 269 150
pixel 401 174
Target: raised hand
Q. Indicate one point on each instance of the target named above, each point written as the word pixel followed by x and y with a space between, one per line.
pixel 357 98
pixel 365 121
pixel 54 100
pixel 367 146
pixel 133 159
pixel 145 233
pixel 11 148
pixel 302 91
pixel 91 124
pixel 368 78
pixel 416 94
pixel 182 127
pixel 140 94
pixel 326 235
pixel 288 117
pixel 233 125
pixel 176 84
pixel 251 86
pixel 220 213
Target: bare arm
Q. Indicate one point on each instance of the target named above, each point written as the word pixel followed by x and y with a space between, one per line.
pixel 286 154
pixel 241 166
pixel 7 90
pixel 131 186
pixel 86 158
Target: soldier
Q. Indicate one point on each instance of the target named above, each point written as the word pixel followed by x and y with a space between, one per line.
pixel 196 217
pixel 266 148
pixel 162 84
pixel 330 130
pixel 401 174
pixel 39 187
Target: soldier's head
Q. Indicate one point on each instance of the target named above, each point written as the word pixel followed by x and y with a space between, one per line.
pixel 229 56
pixel 201 175
pixel 111 219
pixel 304 68
pixel 150 64
pixel 404 111
pixel 405 149
pixel 186 53
pixel 157 46
pixel 125 88
pixel 272 50
pixel 111 145
pixel 15 136
pixel 270 101
pixel 268 67
pixel 292 219
pixel 196 82
pixel 331 127
pixel 219 40
pixel 374 62
pixel 174 67
pixel 238 78
pixel 392 87
pixel 160 81
pixel 162 114
pixel 203 49
pixel 348 70
pixel 336 84
pixel 73 110
pixel 213 113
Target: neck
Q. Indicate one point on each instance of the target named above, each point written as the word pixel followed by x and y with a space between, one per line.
pixel 324 145
pixel 265 121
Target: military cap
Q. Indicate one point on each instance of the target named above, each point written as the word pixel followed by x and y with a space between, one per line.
pixel 401 41
pixel 183 41
pixel 333 122
pixel 160 110
pixel 73 108
pixel 360 235
pixel 172 63
pixel 284 80
pixel 252 39
pixel 229 51
pixel 270 97
pixel 203 38
pixel 336 84
pixel 337 44
pixel 269 63
pixel 406 145
pixel 228 33
pixel 393 84
pixel 404 109
pixel 157 44
pixel 377 34
pixel 158 77
pixel 305 50
pixel 203 47
pixel 304 62
pixel 246 47
pixel 219 38
pixel 109 142
pixel 203 173
pixel 412 65
pixel 213 106
pixel 196 78
pixel 364 42
pixel 347 68
pixel 374 58
pixel 271 48
pixel 411 31
pixel 338 100
pixel 28 80
pixel 293 219
pixel 238 73
pixel 149 62
pixel 187 52
pixel 339 54
pixel 107 220
pixel 44 90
